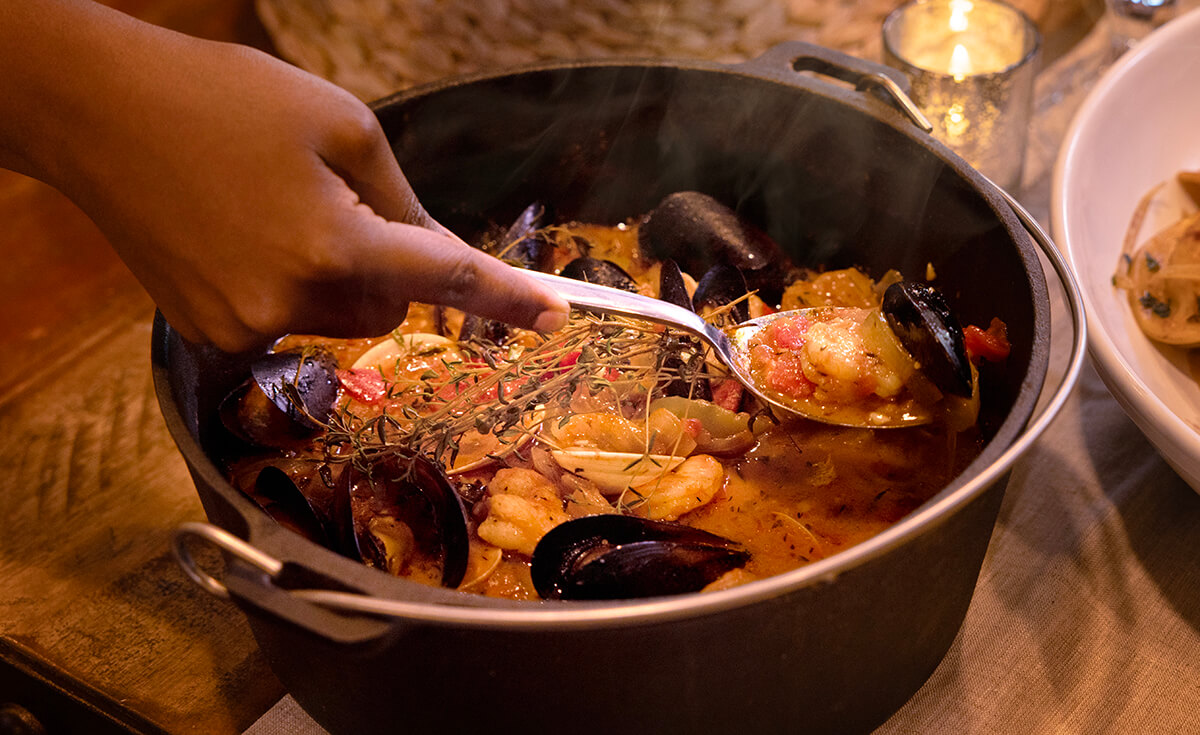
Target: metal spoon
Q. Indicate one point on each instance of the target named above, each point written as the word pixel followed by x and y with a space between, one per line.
pixel 731 348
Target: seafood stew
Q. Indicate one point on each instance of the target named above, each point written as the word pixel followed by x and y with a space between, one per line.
pixel 837 181
pixel 612 459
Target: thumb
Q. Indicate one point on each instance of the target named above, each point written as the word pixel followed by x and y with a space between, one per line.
pixel 414 258
pixel 419 264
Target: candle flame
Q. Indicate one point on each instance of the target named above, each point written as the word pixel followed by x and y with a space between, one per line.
pixel 959 10
pixel 960 62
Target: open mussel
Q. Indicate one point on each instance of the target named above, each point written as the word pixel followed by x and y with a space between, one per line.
pixel 408 517
pixel 681 362
pixel 301 495
pixel 671 286
pixel 612 557
pixel 928 329
pixel 600 272
pixel 699 232
pixel 722 285
pixel 681 357
pixel 524 244
pixel 302 383
pixel 288 397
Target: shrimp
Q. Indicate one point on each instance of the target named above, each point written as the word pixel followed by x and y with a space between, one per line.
pixel 522 507
pixel 689 486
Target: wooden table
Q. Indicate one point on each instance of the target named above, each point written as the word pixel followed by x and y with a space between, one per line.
pixel 100 632
pixel 99 629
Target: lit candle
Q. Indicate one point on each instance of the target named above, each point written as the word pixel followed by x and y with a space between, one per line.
pixel 971 64
pixel 960 62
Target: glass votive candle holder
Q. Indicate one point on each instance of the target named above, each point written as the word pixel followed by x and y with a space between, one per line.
pixel 971 64
pixel 1132 20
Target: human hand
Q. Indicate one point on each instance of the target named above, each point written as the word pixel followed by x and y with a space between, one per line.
pixel 250 198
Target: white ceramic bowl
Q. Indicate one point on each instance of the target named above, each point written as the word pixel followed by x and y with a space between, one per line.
pixel 1138 127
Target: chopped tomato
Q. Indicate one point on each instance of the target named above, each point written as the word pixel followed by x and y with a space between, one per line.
pixel 788 333
pixel 727 394
pixel 786 375
pixel 365 385
pixel 991 345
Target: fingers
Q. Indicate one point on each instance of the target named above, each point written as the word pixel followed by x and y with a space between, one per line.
pixel 412 257
pixel 360 154
pixel 417 264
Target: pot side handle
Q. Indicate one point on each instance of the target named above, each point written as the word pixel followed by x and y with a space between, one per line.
pixel 785 60
pixel 267 587
pixel 258 583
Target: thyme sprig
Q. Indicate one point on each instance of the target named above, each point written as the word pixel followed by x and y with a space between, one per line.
pixel 508 392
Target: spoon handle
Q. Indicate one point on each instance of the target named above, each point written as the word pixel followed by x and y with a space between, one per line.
pixel 615 302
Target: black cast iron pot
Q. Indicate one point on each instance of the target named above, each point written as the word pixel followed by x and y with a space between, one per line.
pixel 840 177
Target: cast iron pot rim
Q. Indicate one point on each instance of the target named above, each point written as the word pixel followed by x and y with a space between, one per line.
pixel 455 608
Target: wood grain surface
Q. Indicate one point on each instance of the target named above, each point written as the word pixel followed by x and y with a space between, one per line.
pixel 91 485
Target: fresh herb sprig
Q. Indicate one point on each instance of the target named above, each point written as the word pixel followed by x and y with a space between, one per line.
pixel 507 391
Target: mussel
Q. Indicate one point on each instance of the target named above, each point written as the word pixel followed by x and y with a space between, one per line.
pixel 681 356
pixel 288 397
pixel 394 512
pixel 303 384
pixel 400 500
pixel 600 272
pixel 699 232
pixel 722 285
pixel 928 329
pixel 301 495
pixel 523 244
pixel 611 557
pixel 671 286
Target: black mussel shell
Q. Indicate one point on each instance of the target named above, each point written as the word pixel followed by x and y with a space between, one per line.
pixel 671 286
pixel 612 557
pixel 416 491
pixel 721 285
pixel 601 272
pixel 699 232
pixel 928 329
pixel 681 356
pixel 254 419
pixel 681 359
pixel 312 511
pixel 301 383
pixel 526 223
pixel 482 330
pixel 522 244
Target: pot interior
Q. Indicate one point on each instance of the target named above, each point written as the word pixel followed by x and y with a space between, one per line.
pixel 837 178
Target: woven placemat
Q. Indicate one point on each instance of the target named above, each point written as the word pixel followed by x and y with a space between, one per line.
pixel 375 47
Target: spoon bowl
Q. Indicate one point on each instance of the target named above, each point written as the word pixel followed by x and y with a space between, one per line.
pixel 733 350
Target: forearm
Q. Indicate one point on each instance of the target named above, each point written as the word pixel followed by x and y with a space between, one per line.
pixel 63 64
pixel 249 197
